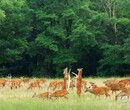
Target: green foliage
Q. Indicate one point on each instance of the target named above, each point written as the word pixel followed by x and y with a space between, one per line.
pixel 2 15
pixel 49 35
pixel 127 51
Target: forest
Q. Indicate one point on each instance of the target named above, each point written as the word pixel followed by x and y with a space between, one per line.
pixel 41 37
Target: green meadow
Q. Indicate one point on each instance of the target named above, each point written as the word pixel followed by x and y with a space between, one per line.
pixel 21 99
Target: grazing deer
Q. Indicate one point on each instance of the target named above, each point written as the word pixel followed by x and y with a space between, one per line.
pixel 105 88
pixel 42 95
pixel 52 84
pixel 125 92
pixel 115 86
pixel 16 83
pixel 59 93
pixel 34 84
pixel 97 91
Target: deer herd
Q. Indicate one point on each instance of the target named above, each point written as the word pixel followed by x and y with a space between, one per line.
pixel 61 88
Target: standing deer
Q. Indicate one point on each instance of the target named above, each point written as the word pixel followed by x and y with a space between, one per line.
pixel 66 79
pixel 79 81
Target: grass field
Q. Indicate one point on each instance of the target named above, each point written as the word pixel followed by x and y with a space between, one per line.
pixel 21 99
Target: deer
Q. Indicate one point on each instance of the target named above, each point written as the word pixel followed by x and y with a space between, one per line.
pixel 34 84
pixel 125 92
pixel 115 86
pixel 26 80
pixel 97 91
pixel 42 80
pixel 105 88
pixel 79 81
pixel 41 95
pixel 111 81
pixel 52 84
pixel 16 83
pixel 66 73
pixel 60 84
pixel 125 81
pixel 3 82
pixel 59 93
pixel 72 84
pixel 84 83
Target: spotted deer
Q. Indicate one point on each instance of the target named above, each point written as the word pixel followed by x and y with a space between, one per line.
pixel 66 79
pixel 41 95
pixel 79 81
pixel 59 93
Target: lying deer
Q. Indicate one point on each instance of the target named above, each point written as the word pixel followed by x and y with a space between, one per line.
pixel 42 95
pixel 59 93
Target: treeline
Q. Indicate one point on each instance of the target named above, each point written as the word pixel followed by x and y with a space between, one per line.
pixel 42 37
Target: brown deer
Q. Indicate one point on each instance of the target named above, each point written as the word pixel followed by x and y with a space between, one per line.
pixel 111 81
pixel 52 84
pixel 97 91
pixel 125 92
pixel 60 84
pixel 125 81
pixel 105 88
pixel 3 82
pixel 73 84
pixel 26 81
pixel 115 86
pixel 59 93
pixel 42 95
pixel 34 84
pixel 84 83
pixel 66 79
pixel 42 80
pixel 16 83
pixel 79 81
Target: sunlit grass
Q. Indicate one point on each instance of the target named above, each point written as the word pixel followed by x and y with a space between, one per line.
pixel 20 99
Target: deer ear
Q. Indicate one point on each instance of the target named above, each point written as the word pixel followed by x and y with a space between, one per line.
pixel 91 83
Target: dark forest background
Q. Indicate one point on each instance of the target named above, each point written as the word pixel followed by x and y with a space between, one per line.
pixel 42 37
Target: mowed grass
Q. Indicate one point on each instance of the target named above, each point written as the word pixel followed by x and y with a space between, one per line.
pixel 21 99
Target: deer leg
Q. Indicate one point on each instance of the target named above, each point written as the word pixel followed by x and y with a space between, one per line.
pixel 66 97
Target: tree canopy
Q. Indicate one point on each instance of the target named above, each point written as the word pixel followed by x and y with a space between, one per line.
pixel 42 37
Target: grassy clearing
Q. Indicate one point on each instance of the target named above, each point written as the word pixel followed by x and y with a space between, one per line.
pixel 20 99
